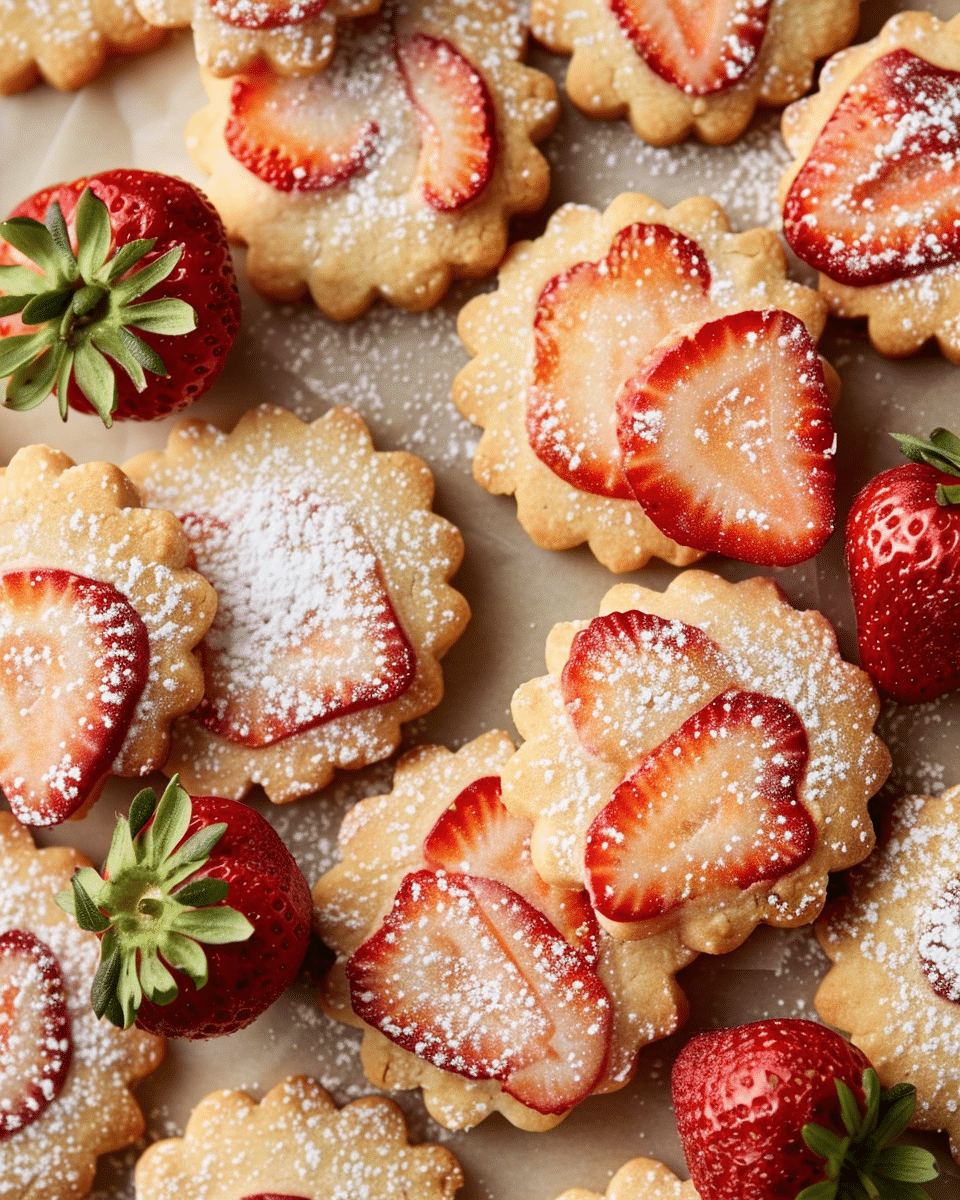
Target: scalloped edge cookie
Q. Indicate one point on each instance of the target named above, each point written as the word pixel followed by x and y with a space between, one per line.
pixel 640 1179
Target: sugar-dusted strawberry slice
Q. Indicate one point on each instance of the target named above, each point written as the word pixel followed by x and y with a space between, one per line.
pixel 305 630
pixel 266 14
pixel 700 46
pixel 713 808
pixel 652 280
pixel 467 975
pixel 878 197
pixel 476 835
pixel 456 118
pixel 35 1045
pixel 632 678
pixel 299 135
pixel 74 657
pixel 728 442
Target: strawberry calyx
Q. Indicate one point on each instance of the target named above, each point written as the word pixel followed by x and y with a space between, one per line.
pixel 144 909
pixel 82 308
pixel 942 452
pixel 863 1165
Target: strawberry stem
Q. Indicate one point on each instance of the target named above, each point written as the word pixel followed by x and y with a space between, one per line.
pixel 940 451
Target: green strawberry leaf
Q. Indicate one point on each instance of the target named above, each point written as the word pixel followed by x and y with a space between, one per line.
pixel 108 340
pixel 144 354
pixel 47 306
pixel 907 1163
pixel 213 926
pixel 171 317
pixel 33 240
pixel 94 233
pixel 201 892
pixel 20 281
pixel 127 256
pixel 186 955
pixel 17 351
pixel 158 984
pixel 88 915
pixel 104 988
pixel 827 1190
pixel 34 381
pixel 96 380
pixel 147 277
pixel 143 807
pixel 57 228
pixel 13 304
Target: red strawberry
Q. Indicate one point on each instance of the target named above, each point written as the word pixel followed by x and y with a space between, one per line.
pixel 35 1044
pixel 74 657
pixel 727 439
pixel 651 280
pixel 467 975
pixel 632 678
pixel 266 14
pixel 876 199
pixel 699 47
pixel 455 115
pixel 162 892
pixel 713 808
pixel 299 135
pixel 775 1111
pixel 476 835
pixel 73 299
pixel 903 557
pixel 305 630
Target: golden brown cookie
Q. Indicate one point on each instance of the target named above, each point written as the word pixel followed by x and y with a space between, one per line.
pixel 438 999
pixel 701 757
pixel 575 314
pixel 334 609
pixel 680 68
pixel 64 1076
pixel 895 945
pixel 393 171
pixel 640 1179
pixel 870 200
pixel 295 1142
pixel 99 618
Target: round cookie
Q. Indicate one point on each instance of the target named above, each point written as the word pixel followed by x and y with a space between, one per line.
pixel 635 58
pixel 673 267
pixel 443 835
pixel 702 757
pixel 334 608
pixel 54 1155
pixel 295 1142
pixel 392 172
pixel 640 1179
pixel 894 942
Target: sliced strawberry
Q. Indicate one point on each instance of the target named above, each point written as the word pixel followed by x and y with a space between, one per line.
pixel 714 807
pixel 939 941
pixel 299 135
pixel 74 657
pixel 652 280
pixel 305 630
pixel 476 835
pixel 455 115
pixel 877 198
pixel 728 442
pixel 266 14
pixel 35 1044
pixel 700 46
pixel 632 678
pixel 467 975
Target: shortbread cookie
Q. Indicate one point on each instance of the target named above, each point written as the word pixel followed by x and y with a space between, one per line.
pixel 64 1075
pixel 99 618
pixel 331 573
pixel 577 314
pixel 417 982
pixel 871 199
pixel 66 43
pixel 289 37
pixel 640 1179
pixel 701 757
pixel 393 171
pixel 295 1143
pixel 895 944
pixel 676 67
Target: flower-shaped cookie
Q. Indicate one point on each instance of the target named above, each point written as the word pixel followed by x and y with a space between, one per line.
pixel 575 351
pixel 895 944
pixel 700 757
pixel 295 1143
pixel 391 172
pixel 64 1076
pixel 66 43
pixel 640 1179
pixel 871 198
pixel 331 574
pixel 99 618
pixel 679 66
pixel 439 998
pixel 290 37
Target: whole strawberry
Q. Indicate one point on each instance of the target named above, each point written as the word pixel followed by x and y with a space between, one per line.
pixel 790 1110
pixel 117 294
pixel 903 558
pixel 174 958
